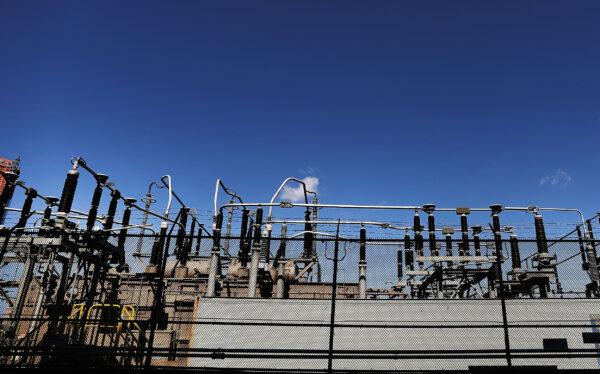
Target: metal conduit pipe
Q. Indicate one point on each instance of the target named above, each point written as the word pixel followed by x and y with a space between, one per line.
pixel 393 207
pixel 307 253
pixel 362 265
pixel 40 213
pixel 214 256
pixel 255 258
pixel 228 191
pixel 384 225
pixel 286 181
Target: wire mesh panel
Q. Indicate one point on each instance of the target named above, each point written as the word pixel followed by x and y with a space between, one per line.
pixel 386 304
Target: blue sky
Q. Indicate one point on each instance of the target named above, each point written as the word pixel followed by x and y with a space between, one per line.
pixel 458 103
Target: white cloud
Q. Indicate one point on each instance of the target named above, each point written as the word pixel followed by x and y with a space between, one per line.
pixel 296 194
pixel 558 178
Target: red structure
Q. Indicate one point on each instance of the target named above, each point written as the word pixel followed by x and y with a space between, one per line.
pixel 8 165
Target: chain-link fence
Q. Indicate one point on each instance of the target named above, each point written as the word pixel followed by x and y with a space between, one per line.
pixel 408 304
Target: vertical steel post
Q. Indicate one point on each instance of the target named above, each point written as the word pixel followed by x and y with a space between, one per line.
pixel 333 298
pixel 496 209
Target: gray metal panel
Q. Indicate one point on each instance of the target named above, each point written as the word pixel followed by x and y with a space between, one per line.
pixel 406 312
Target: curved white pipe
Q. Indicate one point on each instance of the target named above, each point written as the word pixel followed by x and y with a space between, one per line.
pixel 170 187
pixel 289 179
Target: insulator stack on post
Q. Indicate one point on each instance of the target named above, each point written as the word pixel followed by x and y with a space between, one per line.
pixel 362 264
pixel 496 209
pixel 430 208
pixel 243 251
pixel 476 239
pixel 308 236
pixel 592 256
pixel 418 236
pixel 93 212
pixel 190 240
pixel 280 263
pixel 477 242
pixel 228 229
pixel 515 253
pixel 582 250
pixel 96 198
pixel 591 234
pixel 123 232
pixel 112 210
pixel 30 194
pixel 215 256
pixel 409 256
pixel 50 201
pixel 399 263
pixel 449 247
pixel 543 258
pixel 158 249
pixel 181 233
pixel 540 234
pixel 68 192
pixel 254 261
pixel 281 251
pixel 10 179
pixel 244 243
pixel 464 229
pixel 199 241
